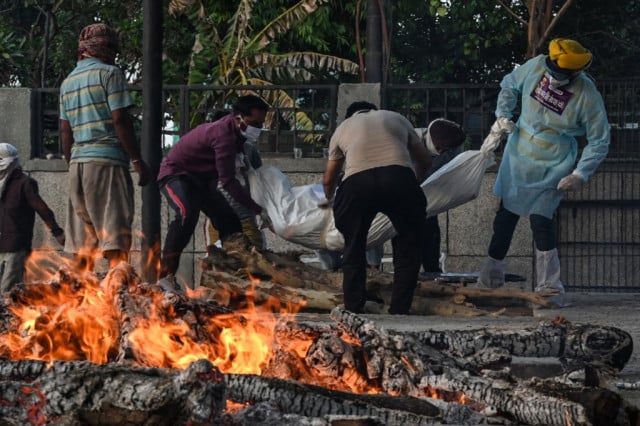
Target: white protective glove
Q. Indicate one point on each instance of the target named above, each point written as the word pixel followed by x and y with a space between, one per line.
pixel 502 126
pixel 571 182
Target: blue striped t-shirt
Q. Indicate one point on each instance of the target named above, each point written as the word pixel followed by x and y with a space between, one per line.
pixel 87 97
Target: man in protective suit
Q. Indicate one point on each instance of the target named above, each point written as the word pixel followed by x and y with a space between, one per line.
pixel 559 102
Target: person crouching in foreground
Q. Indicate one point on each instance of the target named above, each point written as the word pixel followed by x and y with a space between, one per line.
pixel 199 170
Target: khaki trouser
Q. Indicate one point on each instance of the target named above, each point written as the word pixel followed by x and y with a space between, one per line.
pixel 100 209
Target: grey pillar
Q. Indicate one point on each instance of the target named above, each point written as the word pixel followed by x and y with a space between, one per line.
pixel 373 58
pixel 151 135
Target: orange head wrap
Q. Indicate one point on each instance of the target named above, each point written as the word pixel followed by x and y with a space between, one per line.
pixel 98 41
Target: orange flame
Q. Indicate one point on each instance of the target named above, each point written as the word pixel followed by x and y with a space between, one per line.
pixel 243 345
pixel 64 321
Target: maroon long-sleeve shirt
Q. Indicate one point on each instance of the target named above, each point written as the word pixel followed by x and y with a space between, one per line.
pixel 208 153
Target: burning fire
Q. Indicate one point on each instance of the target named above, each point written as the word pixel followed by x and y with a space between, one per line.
pixel 81 319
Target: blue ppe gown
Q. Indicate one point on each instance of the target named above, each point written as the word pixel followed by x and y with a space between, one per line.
pixel 543 149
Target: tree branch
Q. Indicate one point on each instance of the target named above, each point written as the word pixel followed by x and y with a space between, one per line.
pixel 553 23
pixel 511 12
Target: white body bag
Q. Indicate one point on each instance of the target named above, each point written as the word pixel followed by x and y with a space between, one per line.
pixel 296 217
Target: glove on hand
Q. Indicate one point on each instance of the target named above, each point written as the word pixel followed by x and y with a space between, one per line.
pixel 571 182
pixel 263 220
pixel 491 142
pixel 502 126
pixel 325 203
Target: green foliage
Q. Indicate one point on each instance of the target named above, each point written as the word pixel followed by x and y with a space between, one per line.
pixel 10 54
pixel 473 41
pixel 241 51
pixel 433 41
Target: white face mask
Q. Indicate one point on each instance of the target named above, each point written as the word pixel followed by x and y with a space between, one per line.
pixel 251 133
pixel 554 83
pixel 6 162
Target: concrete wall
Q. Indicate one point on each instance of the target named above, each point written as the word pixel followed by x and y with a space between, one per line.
pixel 466 230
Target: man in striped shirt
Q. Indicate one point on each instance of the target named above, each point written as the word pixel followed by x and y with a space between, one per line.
pixel 98 142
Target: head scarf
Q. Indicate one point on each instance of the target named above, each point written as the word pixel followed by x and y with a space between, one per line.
pixel 8 162
pixel 569 54
pixel 8 154
pixel 98 41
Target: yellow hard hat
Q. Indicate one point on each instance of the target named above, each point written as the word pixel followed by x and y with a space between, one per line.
pixel 569 54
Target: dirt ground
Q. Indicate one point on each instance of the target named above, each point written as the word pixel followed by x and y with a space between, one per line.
pixel 620 310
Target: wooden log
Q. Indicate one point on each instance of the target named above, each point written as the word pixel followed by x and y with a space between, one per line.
pixel 89 394
pixel 591 344
pixel 338 364
pixel 561 404
pixel 271 266
pixel 116 284
pixel 445 307
pixel 390 359
pixel 315 401
pixel 501 297
pixel 524 404
pixel 228 287
pixel 484 294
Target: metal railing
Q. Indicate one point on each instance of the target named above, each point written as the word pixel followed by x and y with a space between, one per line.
pixel 310 118
pixel 302 116
pixel 598 227
pixel 473 107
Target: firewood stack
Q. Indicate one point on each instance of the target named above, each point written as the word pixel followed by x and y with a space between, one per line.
pixel 341 370
pixel 282 278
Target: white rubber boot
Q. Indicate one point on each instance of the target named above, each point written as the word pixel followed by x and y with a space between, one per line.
pixel 491 274
pixel 548 276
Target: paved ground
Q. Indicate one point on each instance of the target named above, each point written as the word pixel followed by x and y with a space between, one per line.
pixel 613 309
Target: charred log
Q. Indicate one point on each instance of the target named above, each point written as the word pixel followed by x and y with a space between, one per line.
pixel 89 394
pixel 390 359
pixel 587 344
pixel 525 405
pixel 314 401
pixel 526 402
pixel 602 406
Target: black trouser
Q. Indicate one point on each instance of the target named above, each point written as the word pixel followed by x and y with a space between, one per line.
pixel 395 192
pixel 431 246
pixel 187 198
pixel 504 224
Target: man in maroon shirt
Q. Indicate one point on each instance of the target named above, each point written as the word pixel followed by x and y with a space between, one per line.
pixel 200 165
